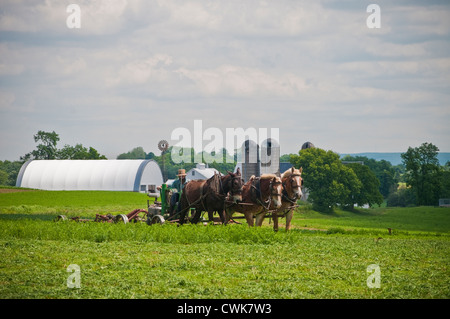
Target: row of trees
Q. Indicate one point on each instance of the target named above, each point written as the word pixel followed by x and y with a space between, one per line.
pixel 9 171
pixel 388 175
pixel 426 180
pixel 171 168
pixel 329 180
pixel 46 148
pixel 331 183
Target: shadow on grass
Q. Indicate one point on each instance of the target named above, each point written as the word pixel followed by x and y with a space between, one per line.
pixel 45 217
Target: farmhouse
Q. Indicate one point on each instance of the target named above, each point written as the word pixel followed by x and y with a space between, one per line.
pixel 200 172
pixel 111 175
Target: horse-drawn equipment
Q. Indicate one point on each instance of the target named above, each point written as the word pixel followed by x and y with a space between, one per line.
pixel 136 215
pixel 196 197
pixel 264 196
pixel 158 211
pixel 269 196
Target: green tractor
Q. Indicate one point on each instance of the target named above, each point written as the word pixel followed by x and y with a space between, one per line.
pixel 158 211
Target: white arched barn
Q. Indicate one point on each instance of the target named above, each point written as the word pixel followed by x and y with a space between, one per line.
pixel 112 175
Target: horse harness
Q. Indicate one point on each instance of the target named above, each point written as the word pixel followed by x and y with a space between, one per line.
pixel 217 189
pixel 285 193
pixel 257 196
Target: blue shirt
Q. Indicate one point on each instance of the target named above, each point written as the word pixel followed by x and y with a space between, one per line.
pixel 177 185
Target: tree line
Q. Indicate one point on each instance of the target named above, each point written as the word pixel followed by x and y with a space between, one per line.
pixel 330 181
pixel 46 149
pixel 426 180
pixel 170 168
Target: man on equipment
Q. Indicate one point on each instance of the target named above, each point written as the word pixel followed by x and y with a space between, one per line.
pixel 178 185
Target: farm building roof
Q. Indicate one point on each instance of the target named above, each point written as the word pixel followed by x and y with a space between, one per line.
pixel 307 145
pixel 201 172
pixel 114 175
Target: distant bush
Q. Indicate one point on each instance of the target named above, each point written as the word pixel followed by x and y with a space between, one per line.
pixel 403 197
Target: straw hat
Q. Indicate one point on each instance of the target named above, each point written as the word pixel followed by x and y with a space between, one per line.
pixel 181 172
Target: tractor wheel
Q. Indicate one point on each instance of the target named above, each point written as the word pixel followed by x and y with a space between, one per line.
pixel 157 219
pixel 60 218
pixel 121 218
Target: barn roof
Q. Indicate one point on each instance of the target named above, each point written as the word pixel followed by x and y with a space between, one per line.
pixel 307 145
pixel 201 172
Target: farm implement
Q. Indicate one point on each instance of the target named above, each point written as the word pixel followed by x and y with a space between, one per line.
pixel 157 212
pixel 261 197
pixel 137 215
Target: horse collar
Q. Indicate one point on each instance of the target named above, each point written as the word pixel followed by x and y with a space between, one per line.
pixel 286 195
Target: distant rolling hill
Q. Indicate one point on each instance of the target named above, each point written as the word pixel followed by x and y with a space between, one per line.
pixel 395 158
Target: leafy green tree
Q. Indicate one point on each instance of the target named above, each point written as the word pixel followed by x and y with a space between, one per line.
pixel 150 155
pixel 423 173
pixel 78 152
pixel 227 162
pixel 445 181
pixel 4 177
pixel 369 192
pixel 187 156
pixel 46 149
pixel 94 154
pixel 328 181
pixel 285 158
pixel 72 152
pixel 135 153
pixel 399 176
pixel 403 197
pixel 383 170
pixel 12 170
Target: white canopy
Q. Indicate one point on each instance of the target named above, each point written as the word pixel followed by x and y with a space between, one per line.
pixel 114 175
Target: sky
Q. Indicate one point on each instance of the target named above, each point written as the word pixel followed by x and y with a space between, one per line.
pixel 135 71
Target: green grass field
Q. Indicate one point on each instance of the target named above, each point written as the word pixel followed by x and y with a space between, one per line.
pixel 324 256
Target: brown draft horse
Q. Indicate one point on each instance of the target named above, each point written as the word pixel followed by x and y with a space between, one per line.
pixel 259 195
pixel 210 195
pixel 292 191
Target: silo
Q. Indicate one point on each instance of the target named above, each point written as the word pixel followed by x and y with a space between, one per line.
pixel 250 159
pixel 270 157
pixel 307 145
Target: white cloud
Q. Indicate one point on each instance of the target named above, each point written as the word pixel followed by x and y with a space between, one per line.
pixel 312 67
pixel 11 69
pixel 422 20
pixel 232 81
pixel 6 100
pixel 385 49
pixel 142 71
pixel 97 17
